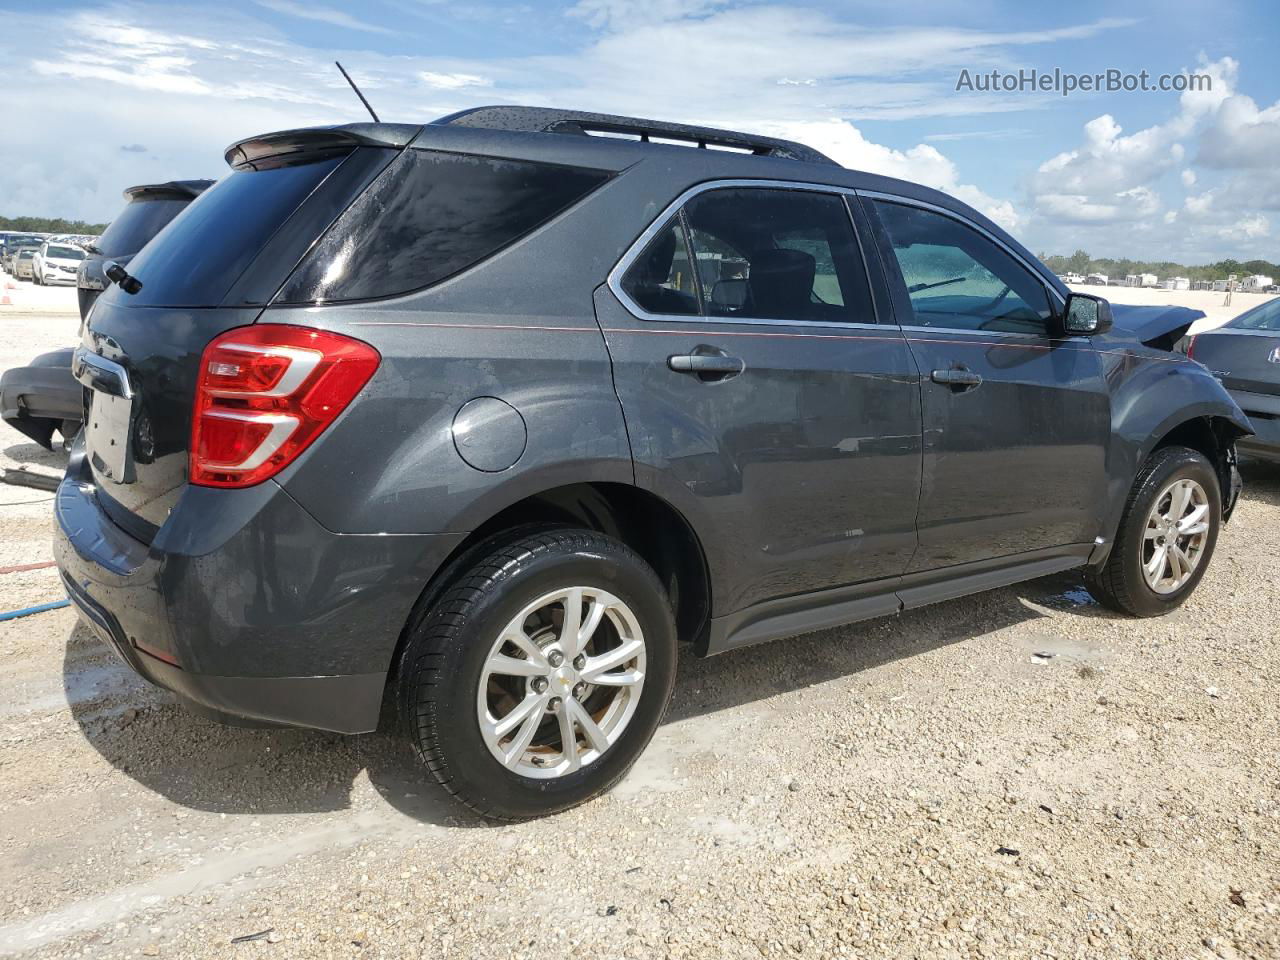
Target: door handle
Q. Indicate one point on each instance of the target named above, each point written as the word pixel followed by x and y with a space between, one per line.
pixel 706 364
pixel 958 379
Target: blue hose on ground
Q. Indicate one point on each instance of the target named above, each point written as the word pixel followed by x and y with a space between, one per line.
pixel 38 608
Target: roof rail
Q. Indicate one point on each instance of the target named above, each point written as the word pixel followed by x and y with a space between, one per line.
pixel 582 123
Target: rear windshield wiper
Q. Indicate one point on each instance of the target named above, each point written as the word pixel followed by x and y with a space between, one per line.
pixel 121 277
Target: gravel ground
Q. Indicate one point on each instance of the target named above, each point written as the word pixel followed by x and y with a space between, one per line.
pixel 1018 774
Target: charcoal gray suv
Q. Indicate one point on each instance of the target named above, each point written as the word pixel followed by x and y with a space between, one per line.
pixel 498 414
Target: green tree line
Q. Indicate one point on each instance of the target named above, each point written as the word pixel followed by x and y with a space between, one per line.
pixel 1080 262
pixel 50 225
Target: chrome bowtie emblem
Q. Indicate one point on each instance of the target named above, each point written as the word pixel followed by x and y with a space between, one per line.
pixel 1274 355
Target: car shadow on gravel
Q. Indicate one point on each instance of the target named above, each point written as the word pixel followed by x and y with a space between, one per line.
pixel 204 765
pixel 31 454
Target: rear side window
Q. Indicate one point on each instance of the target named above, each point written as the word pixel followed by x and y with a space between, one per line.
pixel 137 223
pixel 206 248
pixel 661 280
pixel 429 216
pixel 759 254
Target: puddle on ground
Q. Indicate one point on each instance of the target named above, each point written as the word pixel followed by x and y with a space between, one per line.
pixel 1045 649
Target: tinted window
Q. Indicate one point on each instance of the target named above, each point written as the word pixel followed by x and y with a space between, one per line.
pixel 137 223
pixel 661 280
pixel 1265 317
pixel 959 279
pixel 429 216
pixel 778 255
pixel 199 255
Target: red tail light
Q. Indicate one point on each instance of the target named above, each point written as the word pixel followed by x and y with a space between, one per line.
pixel 1191 348
pixel 264 393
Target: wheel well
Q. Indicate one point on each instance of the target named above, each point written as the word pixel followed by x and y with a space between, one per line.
pixel 641 520
pixel 1212 436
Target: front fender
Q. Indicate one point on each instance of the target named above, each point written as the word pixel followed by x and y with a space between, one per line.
pixel 1151 397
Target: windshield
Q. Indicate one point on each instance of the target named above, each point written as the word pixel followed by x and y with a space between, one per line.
pixel 1264 317
pixel 137 223
pixel 64 253
pixel 26 253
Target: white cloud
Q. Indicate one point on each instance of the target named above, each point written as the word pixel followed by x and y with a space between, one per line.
pixel 622 13
pixel 337 18
pixel 1118 180
pixel 453 81
pixel 186 93
pixel 845 143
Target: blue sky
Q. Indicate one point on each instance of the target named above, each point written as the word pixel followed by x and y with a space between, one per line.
pixel 103 95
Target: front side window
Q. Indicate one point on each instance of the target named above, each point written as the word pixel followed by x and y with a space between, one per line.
pixel 759 254
pixel 957 278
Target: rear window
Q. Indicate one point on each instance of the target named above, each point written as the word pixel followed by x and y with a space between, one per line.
pixel 429 216
pixel 198 256
pixel 137 223
pixel 1265 317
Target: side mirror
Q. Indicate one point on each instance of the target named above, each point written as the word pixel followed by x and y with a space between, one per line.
pixel 1085 315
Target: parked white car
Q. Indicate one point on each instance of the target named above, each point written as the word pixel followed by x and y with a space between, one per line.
pixel 56 263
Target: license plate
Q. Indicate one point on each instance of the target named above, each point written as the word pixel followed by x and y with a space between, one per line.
pixel 107 434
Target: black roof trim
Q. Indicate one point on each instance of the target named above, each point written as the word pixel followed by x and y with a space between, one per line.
pixel 189 189
pixel 582 123
pixel 245 154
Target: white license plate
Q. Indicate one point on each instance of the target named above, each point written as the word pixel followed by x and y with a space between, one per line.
pixel 107 433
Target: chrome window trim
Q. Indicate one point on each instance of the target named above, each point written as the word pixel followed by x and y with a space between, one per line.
pixel 961 218
pixel 620 269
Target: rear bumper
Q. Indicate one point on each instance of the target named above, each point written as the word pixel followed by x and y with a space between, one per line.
pixel 35 399
pixel 244 605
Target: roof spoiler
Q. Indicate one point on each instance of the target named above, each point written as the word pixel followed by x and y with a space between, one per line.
pixel 581 123
pixel 248 154
pixel 189 189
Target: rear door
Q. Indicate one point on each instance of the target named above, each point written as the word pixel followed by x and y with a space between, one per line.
pixel 762 397
pixel 211 269
pixel 1016 422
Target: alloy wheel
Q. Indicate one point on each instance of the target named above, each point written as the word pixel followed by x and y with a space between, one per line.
pixel 1175 537
pixel 561 682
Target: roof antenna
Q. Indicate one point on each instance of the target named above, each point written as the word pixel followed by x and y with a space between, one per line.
pixel 347 76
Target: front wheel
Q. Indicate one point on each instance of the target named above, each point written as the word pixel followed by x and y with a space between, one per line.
pixel 1166 536
pixel 538 677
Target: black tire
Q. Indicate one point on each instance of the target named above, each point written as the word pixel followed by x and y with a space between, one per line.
pixel 1119 583
pixel 449 642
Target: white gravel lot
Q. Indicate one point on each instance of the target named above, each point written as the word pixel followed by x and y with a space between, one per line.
pixel 1018 774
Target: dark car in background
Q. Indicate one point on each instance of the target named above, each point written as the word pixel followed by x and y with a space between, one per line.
pixel 446 412
pixel 10 245
pixel 148 209
pixel 1245 355
pixel 43 397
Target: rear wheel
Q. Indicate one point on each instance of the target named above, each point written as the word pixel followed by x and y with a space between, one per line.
pixel 1166 537
pixel 537 678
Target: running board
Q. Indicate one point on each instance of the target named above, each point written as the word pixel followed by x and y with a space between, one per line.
pixel 806 613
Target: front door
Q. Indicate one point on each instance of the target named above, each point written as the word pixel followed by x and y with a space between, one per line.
pixel 1016 421
pixel 762 398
